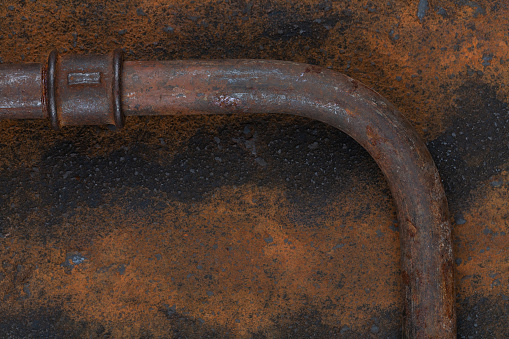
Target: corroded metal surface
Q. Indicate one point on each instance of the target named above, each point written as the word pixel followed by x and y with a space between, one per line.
pixel 21 90
pixel 310 91
pixel 262 210
pixel 83 90
pixel 83 95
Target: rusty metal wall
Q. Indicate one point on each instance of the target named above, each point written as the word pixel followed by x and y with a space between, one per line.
pixel 253 226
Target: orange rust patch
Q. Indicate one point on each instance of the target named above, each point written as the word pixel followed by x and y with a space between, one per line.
pixel 373 136
pixel 313 69
pixel 482 242
pixel 227 262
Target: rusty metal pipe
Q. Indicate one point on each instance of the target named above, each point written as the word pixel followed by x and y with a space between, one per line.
pixel 22 91
pixel 83 90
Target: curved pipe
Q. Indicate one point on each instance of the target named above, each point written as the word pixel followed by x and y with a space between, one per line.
pixel 256 86
pixel 84 90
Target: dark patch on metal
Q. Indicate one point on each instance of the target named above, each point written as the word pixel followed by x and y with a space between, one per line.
pixel 308 323
pixel 479 315
pixel 48 322
pixel 184 326
pixel 311 177
pixel 422 8
pixel 285 24
pixel 475 146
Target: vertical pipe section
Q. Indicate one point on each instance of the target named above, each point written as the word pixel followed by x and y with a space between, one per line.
pixel 257 86
pixel 22 91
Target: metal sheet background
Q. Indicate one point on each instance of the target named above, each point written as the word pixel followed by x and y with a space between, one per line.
pixel 265 226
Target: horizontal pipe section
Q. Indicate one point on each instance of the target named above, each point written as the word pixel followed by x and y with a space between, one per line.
pixel 22 91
